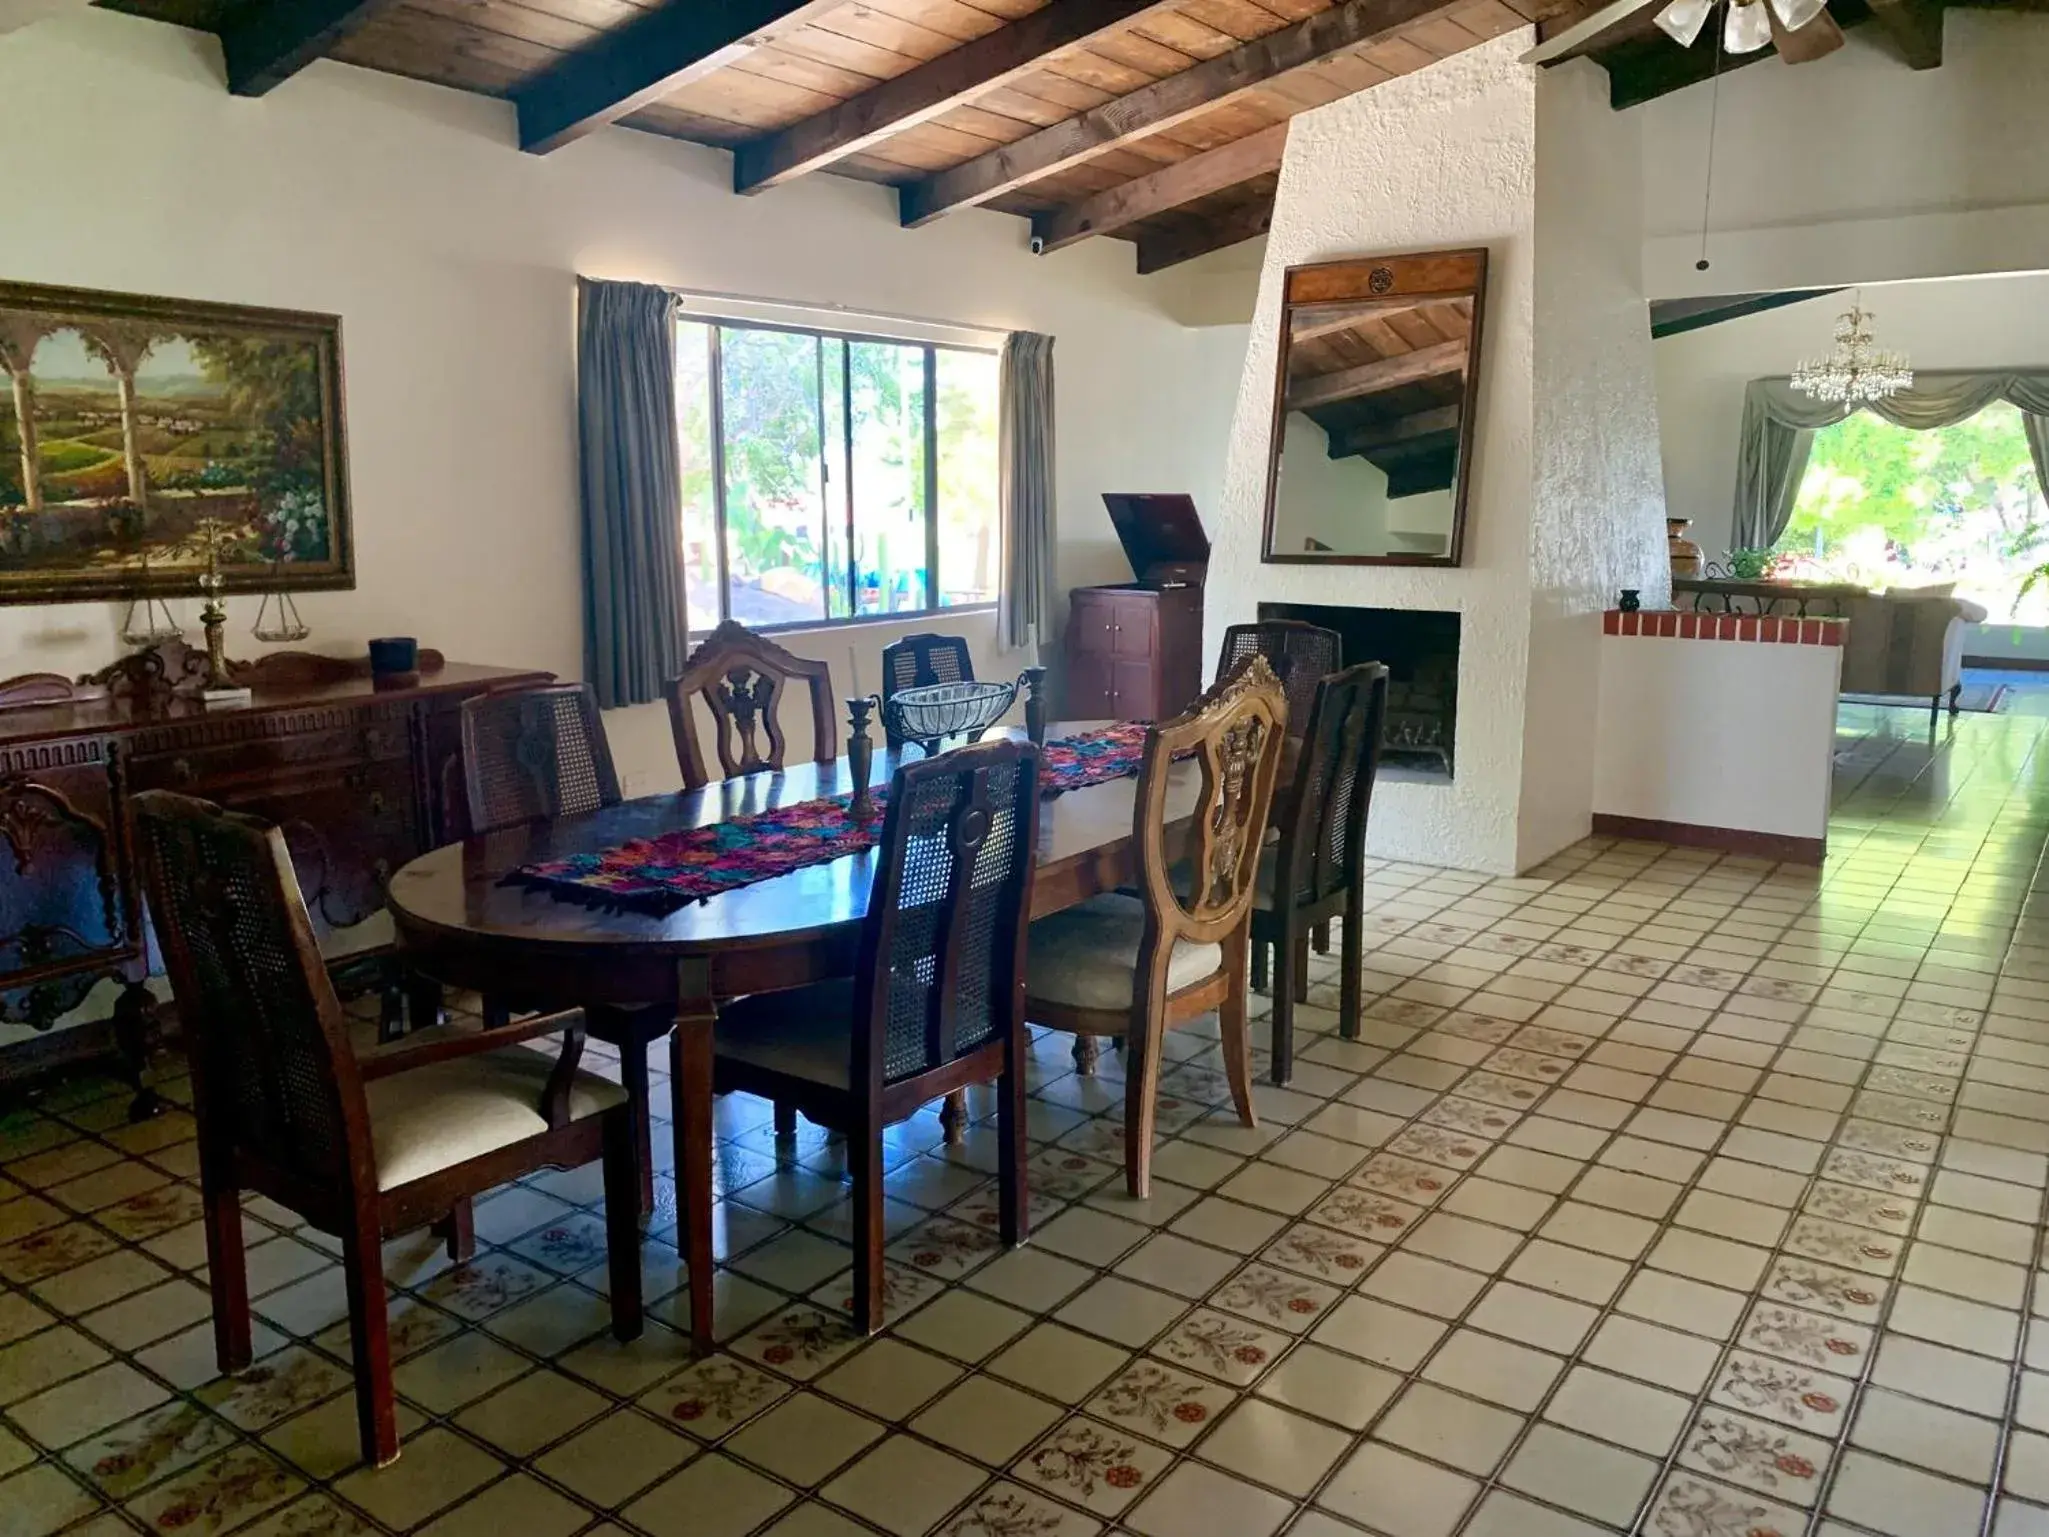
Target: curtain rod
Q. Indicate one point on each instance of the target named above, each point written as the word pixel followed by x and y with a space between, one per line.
pixel 848 311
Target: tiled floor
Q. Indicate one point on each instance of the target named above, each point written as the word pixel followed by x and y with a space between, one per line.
pixel 1660 1193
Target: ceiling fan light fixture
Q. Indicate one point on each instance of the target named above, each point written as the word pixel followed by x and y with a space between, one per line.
pixel 1795 14
pixel 1682 20
pixel 1747 28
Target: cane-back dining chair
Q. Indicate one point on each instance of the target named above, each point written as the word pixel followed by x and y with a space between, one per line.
pixel 1299 653
pixel 535 755
pixel 362 1149
pixel 1138 966
pixel 918 661
pixel 741 677
pixel 936 1001
pixel 1314 873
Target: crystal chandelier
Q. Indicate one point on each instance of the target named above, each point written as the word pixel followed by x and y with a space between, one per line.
pixel 1856 371
pixel 1745 28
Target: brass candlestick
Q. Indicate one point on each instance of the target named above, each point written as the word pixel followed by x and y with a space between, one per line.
pixel 860 752
pixel 1035 704
pixel 213 614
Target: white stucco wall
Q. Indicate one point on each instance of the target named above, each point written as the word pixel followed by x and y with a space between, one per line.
pixel 1856 169
pixel 1564 504
pixel 1598 502
pixel 1661 699
pixel 451 257
pixel 1441 158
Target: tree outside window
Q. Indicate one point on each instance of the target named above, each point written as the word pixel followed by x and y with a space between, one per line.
pixel 1884 506
pixel 828 477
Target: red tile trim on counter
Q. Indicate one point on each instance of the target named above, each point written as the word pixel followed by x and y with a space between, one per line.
pixel 1771 629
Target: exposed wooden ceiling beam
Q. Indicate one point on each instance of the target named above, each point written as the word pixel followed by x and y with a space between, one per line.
pixel 1674 317
pixel 1384 374
pixel 1161 104
pixel 1248 221
pixel 1915 27
pixel 1645 67
pixel 1371 437
pixel 1163 191
pixel 984 64
pixel 267 43
pixel 656 53
pixel 1312 322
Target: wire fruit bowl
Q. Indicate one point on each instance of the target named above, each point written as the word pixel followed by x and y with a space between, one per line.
pixel 930 714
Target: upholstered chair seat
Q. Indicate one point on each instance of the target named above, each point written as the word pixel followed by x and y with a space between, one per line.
pixel 1086 957
pixel 803 1031
pixel 436 1116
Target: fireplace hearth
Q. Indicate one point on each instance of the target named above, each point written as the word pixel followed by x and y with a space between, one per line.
pixel 1420 649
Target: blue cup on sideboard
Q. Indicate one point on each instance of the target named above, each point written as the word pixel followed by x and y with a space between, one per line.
pixel 394 655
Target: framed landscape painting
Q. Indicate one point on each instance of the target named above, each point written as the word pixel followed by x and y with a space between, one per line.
pixel 138 434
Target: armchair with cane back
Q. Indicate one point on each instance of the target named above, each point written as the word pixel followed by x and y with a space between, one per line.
pixel 363 1150
pixel 918 661
pixel 1314 873
pixel 535 755
pixel 936 1001
pixel 741 677
pixel 1300 654
pixel 1138 966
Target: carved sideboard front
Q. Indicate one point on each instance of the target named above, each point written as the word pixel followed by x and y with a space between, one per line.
pixel 360 774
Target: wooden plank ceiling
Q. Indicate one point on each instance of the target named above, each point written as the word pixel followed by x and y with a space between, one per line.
pixel 1156 121
pixel 1385 380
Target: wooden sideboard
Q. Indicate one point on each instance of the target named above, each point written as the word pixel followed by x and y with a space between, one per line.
pixel 361 773
pixel 1133 652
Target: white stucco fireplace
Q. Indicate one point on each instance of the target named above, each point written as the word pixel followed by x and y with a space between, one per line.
pixel 1565 496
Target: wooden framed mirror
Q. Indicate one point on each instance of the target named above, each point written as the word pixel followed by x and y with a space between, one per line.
pixel 1375 387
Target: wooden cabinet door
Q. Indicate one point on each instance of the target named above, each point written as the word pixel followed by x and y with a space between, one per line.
pixel 1134 689
pixel 1088 686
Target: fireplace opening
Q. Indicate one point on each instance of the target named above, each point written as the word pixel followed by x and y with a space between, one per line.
pixel 1420 649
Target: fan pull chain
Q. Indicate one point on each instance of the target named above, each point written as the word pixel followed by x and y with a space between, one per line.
pixel 1707 201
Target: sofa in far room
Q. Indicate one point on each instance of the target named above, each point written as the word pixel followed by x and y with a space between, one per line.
pixel 1908 643
pixel 1905 643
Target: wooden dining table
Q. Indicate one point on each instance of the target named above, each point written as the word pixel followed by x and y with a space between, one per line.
pixel 458 923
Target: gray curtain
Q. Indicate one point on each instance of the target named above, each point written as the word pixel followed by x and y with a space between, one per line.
pixel 635 632
pixel 1779 425
pixel 1024 453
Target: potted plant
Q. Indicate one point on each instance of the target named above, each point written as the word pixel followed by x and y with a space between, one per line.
pixel 1752 565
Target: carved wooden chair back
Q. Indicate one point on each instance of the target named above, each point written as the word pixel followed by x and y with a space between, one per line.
pixel 1235 732
pixel 1300 654
pixel 741 677
pixel 1323 815
pixel 941 967
pixel 534 754
pixel 918 661
pixel 275 1082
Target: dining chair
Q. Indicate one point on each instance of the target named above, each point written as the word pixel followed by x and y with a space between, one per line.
pixel 936 1001
pixel 1301 655
pixel 918 661
pixel 362 1149
pixel 535 755
pixel 741 677
pixel 1139 966
pixel 1314 873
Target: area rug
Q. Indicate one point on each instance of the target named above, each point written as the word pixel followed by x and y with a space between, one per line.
pixel 661 874
pixel 1976 699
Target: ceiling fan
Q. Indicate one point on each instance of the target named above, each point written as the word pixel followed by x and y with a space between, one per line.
pixel 1803 30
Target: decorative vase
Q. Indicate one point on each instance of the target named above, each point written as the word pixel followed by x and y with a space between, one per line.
pixel 1684 553
pixel 1631 600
